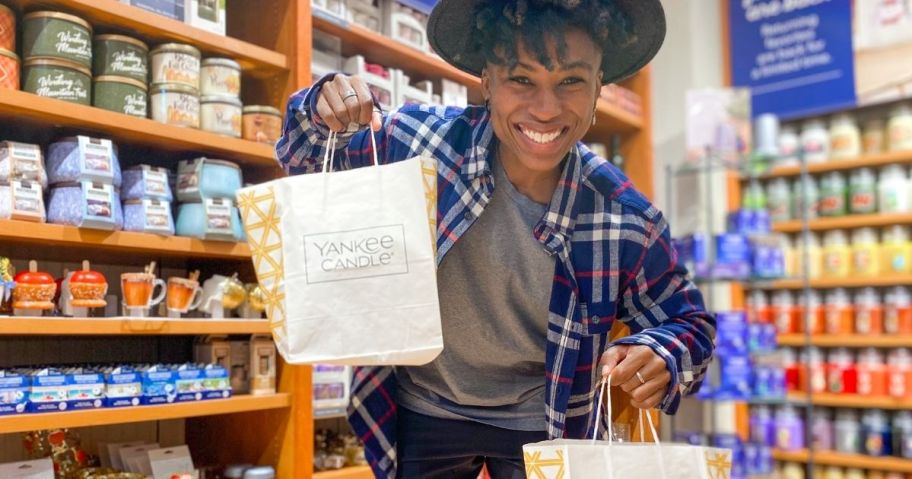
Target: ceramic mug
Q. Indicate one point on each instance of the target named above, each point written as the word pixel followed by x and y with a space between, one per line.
pixel 183 295
pixel 137 289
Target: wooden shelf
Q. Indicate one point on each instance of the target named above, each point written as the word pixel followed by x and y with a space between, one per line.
pixel 19 326
pixel 846 222
pixel 48 234
pixel 870 161
pixel 424 65
pixel 847 341
pixel 108 416
pixel 832 458
pixel 830 283
pixel 18 105
pixel 105 15
pixel 347 473
pixel 861 402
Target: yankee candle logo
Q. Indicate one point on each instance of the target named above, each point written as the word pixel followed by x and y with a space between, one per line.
pixel 364 253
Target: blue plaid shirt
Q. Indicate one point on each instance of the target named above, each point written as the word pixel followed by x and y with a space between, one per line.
pixel 614 262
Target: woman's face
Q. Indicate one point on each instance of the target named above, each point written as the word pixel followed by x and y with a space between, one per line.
pixel 539 115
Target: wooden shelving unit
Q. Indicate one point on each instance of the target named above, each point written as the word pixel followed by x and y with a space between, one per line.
pixel 18 106
pixel 861 402
pixel 103 417
pixel 347 473
pixel 58 235
pixel 870 161
pixel 847 341
pixel 846 222
pixel 831 458
pixel 19 326
pixel 830 283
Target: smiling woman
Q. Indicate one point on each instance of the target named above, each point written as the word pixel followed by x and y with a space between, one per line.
pixel 541 245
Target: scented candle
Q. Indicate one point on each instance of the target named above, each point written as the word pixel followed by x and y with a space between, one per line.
pixel 848 431
pixel 837 255
pixel 899 376
pixel 842 373
pixel 785 313
pixel 876 434
pixel 865 252
pixel 898 311
pixel 814 372
pixel 863 191
pixel 789 429
pixel 814 312
pixel 869 312
pixel 833 192
pixel 839 313
pixel 791 369
pixel 902 434
pixel 758 308
pixel 763 426
pixel 872 373
pixel 896 250
pixel 822 436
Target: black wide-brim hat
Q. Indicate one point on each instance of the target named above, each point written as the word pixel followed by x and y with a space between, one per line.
pixel 452 23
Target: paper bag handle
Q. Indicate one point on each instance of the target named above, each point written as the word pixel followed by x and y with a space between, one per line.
pixel 330 153
pixel 604 386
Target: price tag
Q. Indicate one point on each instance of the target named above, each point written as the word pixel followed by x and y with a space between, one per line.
pixel 97 159
pixel 99 206
pixel 218 219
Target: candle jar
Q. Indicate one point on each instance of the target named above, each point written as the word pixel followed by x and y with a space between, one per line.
pixel 865 252
pixel 837 255
pixel 876 434
pixel 839 313
pixel 899 376
pixel 789 429
pixel 137 290
pixel 872 373
pixel 842 373
pixel 848 431
pixel 868 312
pixel 896 250
pixel 183 295
pixel 898 311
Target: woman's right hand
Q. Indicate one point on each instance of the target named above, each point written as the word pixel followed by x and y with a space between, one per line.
pixel 346 103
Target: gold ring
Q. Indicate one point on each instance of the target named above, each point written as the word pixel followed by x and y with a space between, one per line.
pixel 640 377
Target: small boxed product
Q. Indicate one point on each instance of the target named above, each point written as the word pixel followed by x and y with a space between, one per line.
pixel 454 94
pixel 336 8
pixel 406 94
pixel 239 366
pixel 216 383
pixel 14 390
pixel 37 469
pixel 208 15
pixel 367 13
pixel 262 366
pixel 692 253
pixel 210 219
pixel 86 205
pixel 406 21
pixel 146 182
pixel 123 387
pixel 22 200
pixel 207 178
pixel 148 216
pixel 331 386
pixel 213 350
pixel 732 256
pixel 174 9
pixel 378 79
pixel 86 389
pixel 22 161
pixel 81 158
pixel 158 385
pixel 188 383
pixel 48 391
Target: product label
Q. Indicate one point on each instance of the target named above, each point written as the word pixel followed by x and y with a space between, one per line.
pixel 864 261
pixel 74 42
pixel 155 182
pixel 218 218
pixel 891 320
pixel 25 161
pixel 63 86
pixel 158 216
pixel 832 203
pixel 99 207
pixel 135 104
pixel 188 179
pixel 223 80
pixel 223 119
pixel 364 253
pixel 28 201
pixel 97 159
pixel 863 200
pixel 127 61
pixel 178 68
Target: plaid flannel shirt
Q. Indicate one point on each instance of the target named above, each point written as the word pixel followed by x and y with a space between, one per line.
pixel 614 262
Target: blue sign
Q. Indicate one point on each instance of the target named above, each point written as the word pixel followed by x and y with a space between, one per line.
pixel 795 55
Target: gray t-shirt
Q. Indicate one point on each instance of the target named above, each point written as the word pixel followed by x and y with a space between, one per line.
pixel 495 289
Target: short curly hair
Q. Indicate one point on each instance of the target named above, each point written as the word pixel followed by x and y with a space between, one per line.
pixel 500 25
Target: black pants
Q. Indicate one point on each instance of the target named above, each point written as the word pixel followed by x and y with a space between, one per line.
pixel 431 448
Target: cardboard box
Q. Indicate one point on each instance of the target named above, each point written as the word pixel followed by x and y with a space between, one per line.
pixel 123 387
pixel 213 350
pixel 86 389
pixel 158 385
pixel 239 367
pixel 209 15
pixel 262 366
pixel 14 390
pixel 48 391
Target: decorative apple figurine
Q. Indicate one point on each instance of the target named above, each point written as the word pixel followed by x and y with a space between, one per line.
pixel 34 289
pixel 88 288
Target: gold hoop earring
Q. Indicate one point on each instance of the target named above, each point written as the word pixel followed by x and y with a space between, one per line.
pixel 594 117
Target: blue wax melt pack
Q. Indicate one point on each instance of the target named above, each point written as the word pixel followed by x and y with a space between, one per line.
pixel 14 390
pixel 48 391
pixel 123 387
pixel 86 389
pixel 158 385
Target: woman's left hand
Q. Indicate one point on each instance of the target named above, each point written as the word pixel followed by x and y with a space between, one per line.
pixel 623 362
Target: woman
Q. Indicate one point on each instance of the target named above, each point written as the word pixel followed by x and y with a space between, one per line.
pixel 541 244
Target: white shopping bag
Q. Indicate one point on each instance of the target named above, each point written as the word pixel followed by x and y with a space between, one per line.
pixel 591 459
pixel 346 262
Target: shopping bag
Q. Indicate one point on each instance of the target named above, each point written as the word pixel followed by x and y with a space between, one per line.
pixel 347 264
pixel 591 459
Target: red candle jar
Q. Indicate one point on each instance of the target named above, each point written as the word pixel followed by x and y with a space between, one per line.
pixel 785 314
pixel 898 311
pixel 872 373
pixel 840 319
pixel 7 28
pixel 842 373
pixel 792 370
pixel 813 370
pixel 9 69
pixel 758 308
pixel 869 312
pixel 899 378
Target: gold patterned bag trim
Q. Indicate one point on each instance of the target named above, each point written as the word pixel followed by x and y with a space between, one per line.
pixel 261 215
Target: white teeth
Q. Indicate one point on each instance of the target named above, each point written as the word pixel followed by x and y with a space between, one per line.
pixel 542 138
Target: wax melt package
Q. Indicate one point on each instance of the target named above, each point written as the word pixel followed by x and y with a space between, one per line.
pixel 48 391
pixel 14 390
pixel 211 219
pixel 207 178
pixel 22 200
pixel 123 387
pixel 158 385
pixel 216 382
pixel 83 159
pixel 86 389
pixel 87 205
pixel 146 182
pixel 22 161
pixel 148 216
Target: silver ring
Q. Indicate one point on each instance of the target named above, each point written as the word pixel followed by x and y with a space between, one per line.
pixel 349 95
pixel 640 377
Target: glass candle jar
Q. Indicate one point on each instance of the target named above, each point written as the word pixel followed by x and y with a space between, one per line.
pixel 845 137
pixel 899 128
pixel 898 311
pixel 839 313
pixel 896 250
pixel 837 255
pixel 865 252
pixel 868 312
pixel 815 141
pixel 872 373
pixel 863 191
